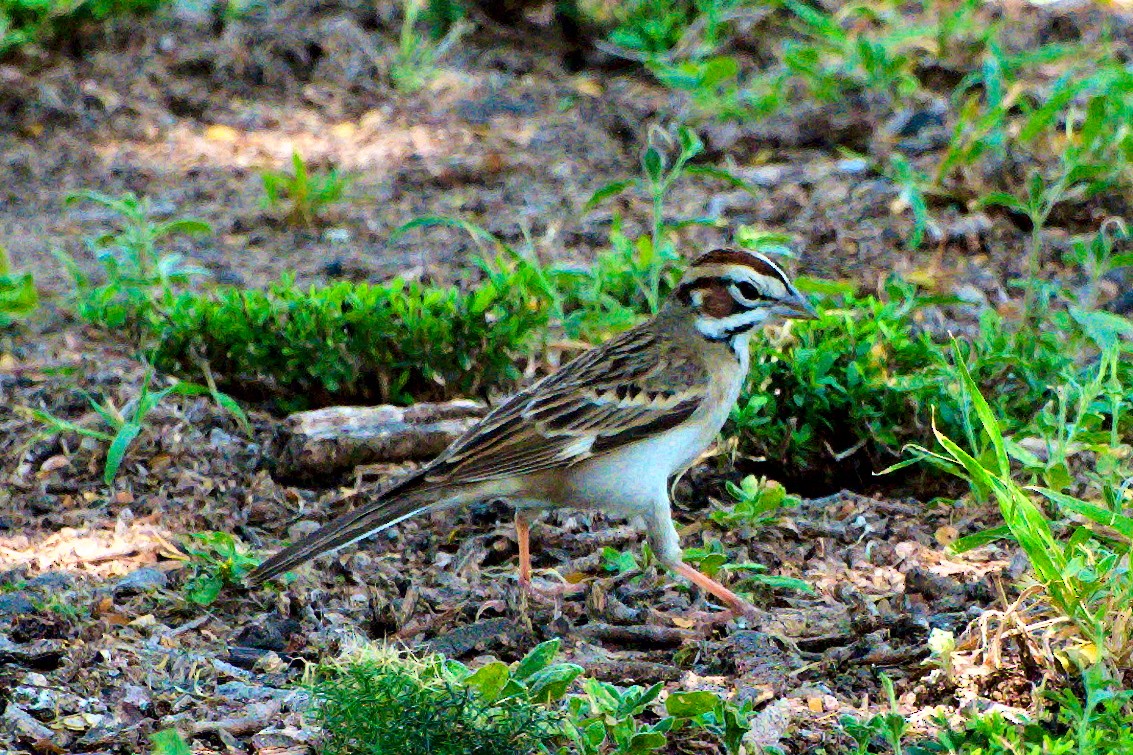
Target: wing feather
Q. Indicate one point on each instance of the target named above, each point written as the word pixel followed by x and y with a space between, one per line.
pixel 617 393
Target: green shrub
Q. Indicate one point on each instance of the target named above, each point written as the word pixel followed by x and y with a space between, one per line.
pixel 26 21
pixel 398 341
pixel 384 703
pixel 865 379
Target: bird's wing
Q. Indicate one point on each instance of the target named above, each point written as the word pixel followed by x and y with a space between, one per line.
pixel 629 388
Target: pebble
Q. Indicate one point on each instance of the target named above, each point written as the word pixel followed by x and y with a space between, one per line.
pixel 220 439
pixel 25 727
pixel 853 166
pixel 16 603
pixel 970 294
pixel 52 580
pixel 301 529
pixel 146 579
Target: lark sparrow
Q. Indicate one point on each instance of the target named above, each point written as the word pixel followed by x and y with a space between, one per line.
pixel 607 431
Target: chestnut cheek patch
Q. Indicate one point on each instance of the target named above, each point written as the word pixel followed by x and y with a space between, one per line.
pixel 717 302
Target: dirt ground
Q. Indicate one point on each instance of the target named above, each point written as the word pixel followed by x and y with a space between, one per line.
pixel 99 646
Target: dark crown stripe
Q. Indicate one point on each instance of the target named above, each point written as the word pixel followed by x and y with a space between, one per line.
pixel 738 257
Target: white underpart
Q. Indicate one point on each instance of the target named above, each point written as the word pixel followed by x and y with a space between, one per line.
pixel 578 447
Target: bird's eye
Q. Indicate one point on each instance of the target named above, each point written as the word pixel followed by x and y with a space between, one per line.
pixel 749 291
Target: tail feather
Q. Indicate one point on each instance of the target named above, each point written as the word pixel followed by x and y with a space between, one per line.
pixel 346 529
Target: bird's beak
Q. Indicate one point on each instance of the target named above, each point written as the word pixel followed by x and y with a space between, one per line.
pixel 799 308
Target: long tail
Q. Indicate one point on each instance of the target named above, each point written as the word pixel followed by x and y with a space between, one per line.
pixel 392 506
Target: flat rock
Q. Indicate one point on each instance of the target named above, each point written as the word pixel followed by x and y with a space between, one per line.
pixel 327 442
pixel 15 604
pixel 146 579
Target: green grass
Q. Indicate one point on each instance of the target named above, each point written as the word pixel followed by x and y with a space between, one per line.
pixel 302 196
pixel 18 294
pixel 380 702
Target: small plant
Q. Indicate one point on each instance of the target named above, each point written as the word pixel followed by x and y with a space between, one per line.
pixel 758 502
pixel 1084 577
pixel 415 62
pixel 168 742
pixel 1093 722
pixel 942 648
pixel 123 424
pixel 18 295
pixel 306 193
pixel 890 727
pixel 384 702
pixel 607 720
pixel 137 273
pixel 619 562
pixel 216 561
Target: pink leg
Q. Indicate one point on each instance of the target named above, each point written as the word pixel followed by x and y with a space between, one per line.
pixel 523 538
pixel 737 604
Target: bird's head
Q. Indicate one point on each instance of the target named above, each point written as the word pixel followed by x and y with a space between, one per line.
pixel 731 292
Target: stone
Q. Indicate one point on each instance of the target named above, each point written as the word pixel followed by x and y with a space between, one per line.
pixel 327 442
pixel 15 604
pixel 146 579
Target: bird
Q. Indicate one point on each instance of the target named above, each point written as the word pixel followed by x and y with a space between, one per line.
pixel 608 431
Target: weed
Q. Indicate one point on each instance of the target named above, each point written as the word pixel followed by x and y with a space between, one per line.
pixel 1085 577
pixel 382 701
pixel 1095 722
pixel 168 742
pixel 385 702
pixel 415 62
pixel 18 295
pixel 634 276
pixel 758 502
pixel 890 726
pixel 216 561
pixel 135 270
pixel 124 424
pixel 306 193
pixel 619 562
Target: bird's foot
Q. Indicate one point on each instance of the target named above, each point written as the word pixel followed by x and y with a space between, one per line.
pixel 549 593
pixel 705 622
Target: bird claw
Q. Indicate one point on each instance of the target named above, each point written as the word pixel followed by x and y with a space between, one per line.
pixel 551 594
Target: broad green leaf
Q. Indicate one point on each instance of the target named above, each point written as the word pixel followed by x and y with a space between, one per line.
pixel 205 590
pixel 645 742
pixel 489 679
pixel 117 451
pixel 541 655
pixel 653 164
pixel 1092 511
pixel 551 683
pixel 689 704
pixel 980 539
pixel 168 742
